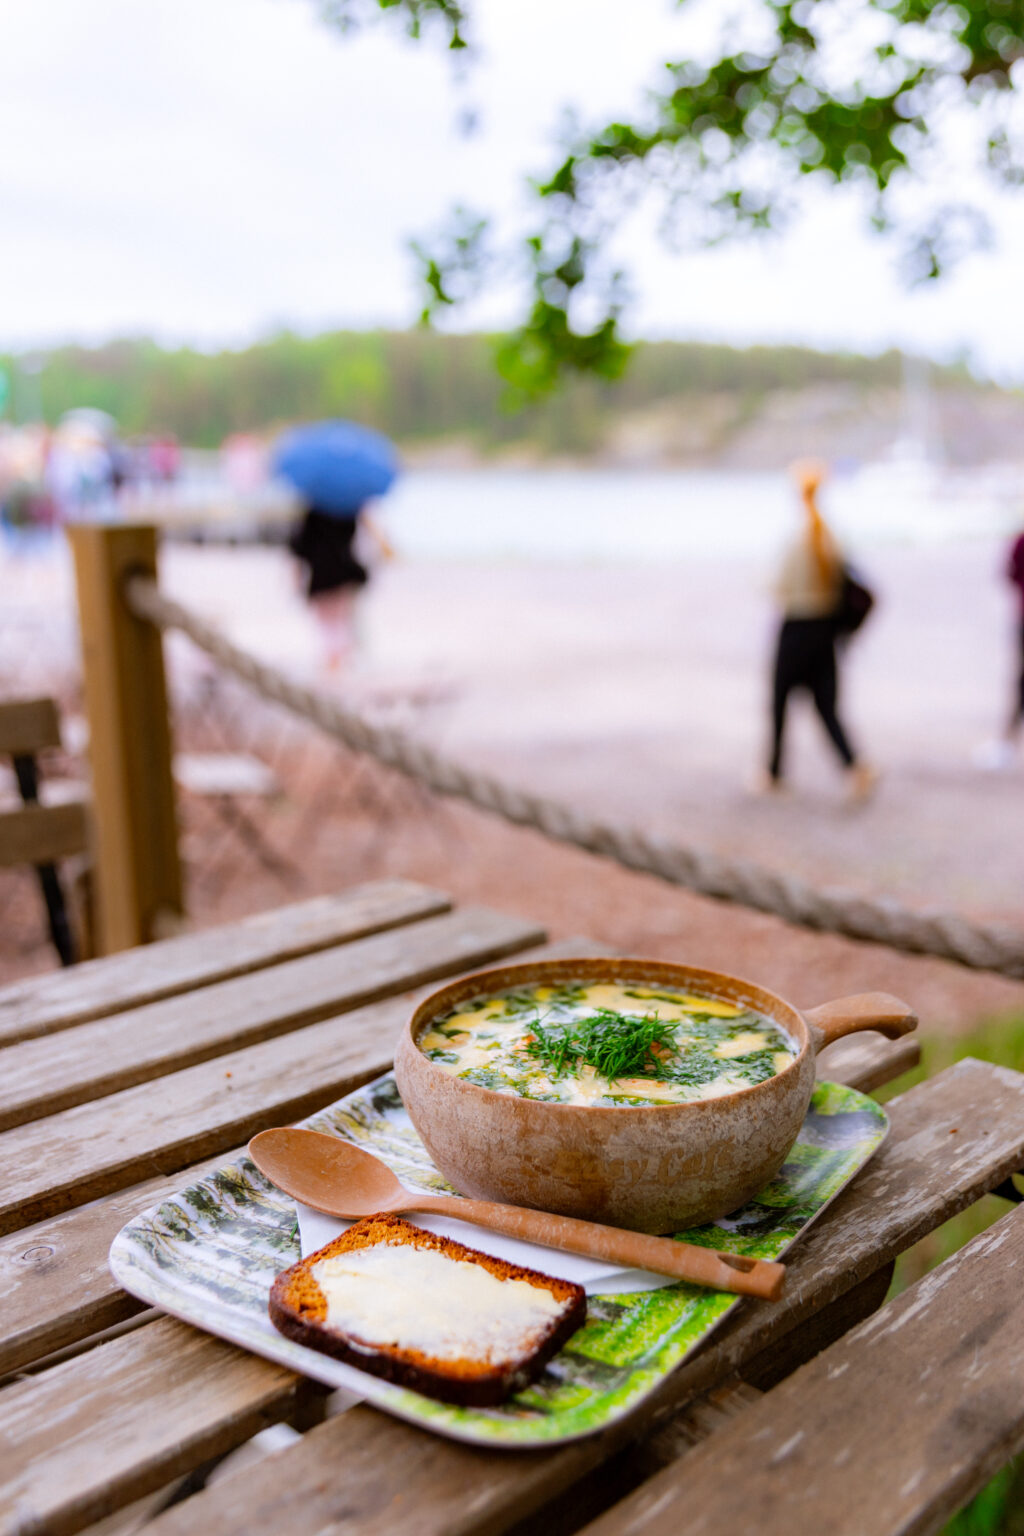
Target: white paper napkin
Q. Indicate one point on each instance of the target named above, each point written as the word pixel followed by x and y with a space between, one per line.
pixel 597 1278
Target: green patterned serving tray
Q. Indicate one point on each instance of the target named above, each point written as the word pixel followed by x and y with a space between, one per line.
pixel 209 1255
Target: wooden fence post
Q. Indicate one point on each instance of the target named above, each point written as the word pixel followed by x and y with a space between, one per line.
pixel 138 873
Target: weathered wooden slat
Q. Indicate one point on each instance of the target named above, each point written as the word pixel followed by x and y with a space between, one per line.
pixel 86 1416
pixel 890 1430
pixel 867 1061
pixel 617 1477
pixel 54 1164
pixel 40 1077
pixel 173 966
pixel 630 1467
pixel 28 726
pixel 238 1395
pixel 55 1283
pixel 42 834
pixel 56 1287
pixel 816 1333
pixel 952 1139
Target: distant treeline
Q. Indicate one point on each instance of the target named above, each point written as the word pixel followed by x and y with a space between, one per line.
pixel 415 385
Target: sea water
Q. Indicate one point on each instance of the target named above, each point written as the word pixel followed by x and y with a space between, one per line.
pixel 611 516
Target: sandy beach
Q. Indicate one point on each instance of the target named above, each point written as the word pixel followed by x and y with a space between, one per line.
pixel 637 692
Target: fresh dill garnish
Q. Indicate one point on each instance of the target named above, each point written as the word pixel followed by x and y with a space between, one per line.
pixel 553 1044
pixel 616 1045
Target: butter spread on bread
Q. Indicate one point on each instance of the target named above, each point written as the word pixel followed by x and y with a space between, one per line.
pixel 421 1298
pixel 426 1312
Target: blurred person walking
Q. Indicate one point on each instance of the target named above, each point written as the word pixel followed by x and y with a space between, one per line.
pixel 810 589
pixel 336 467
pixel 84 467
pixel 1002 753
pixel 1015 575
pixel 325 542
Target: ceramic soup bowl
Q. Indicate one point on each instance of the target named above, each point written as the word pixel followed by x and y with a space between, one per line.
pixel 650 1167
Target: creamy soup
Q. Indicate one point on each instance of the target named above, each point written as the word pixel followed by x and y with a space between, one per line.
pixel 607 1043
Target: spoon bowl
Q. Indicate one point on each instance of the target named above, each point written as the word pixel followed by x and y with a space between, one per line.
pixel 339 1179
pixel 328 1174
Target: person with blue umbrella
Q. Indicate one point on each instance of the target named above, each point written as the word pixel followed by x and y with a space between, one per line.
pixel 336 467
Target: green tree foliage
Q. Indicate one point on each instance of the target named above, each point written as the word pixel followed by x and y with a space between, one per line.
pixel 414 385
pixel 421 386
pixel 860 92
pixel 417 17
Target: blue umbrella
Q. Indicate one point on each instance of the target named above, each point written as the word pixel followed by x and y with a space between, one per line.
pixel 336 465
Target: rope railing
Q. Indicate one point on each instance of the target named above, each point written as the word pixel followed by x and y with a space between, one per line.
pixel 874 919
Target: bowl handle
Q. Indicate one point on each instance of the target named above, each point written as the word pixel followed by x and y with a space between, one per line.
pixel 867 1010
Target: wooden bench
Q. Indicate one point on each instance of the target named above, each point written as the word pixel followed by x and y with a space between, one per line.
pixel 105 1403
pixel 33 833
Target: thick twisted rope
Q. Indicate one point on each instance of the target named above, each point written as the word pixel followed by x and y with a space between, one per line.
pixel 877 920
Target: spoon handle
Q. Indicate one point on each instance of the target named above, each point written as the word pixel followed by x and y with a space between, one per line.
pixel 633 1250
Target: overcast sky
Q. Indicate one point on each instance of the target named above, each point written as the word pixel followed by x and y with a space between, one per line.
pixel 211 170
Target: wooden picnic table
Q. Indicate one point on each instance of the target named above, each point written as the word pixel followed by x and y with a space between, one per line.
pixel 125 1078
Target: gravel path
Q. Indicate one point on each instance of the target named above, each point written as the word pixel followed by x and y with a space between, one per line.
pixel 640 693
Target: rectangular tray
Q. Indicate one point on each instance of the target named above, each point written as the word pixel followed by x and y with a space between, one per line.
pixel 210 1254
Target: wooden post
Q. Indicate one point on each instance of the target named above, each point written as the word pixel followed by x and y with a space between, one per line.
pixel 138 873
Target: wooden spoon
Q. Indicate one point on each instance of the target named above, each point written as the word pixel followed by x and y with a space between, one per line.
pixel 339 1179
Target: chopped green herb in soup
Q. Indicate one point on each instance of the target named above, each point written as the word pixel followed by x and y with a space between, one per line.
pixel 607 1043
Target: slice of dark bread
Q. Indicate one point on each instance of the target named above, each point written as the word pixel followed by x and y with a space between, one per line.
pixel 483 1376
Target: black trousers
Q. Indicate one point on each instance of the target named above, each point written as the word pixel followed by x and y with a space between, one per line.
pixel 806 658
